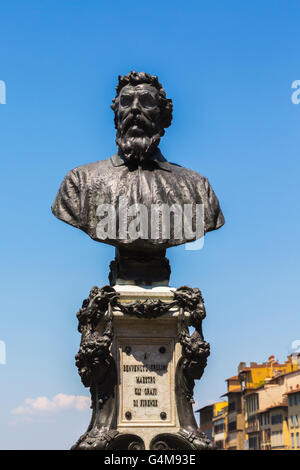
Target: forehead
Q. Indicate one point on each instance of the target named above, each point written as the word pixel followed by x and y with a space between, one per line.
pixel 141 88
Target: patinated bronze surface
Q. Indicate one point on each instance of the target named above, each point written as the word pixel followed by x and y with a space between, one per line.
pixel 155 181
pixel 138 174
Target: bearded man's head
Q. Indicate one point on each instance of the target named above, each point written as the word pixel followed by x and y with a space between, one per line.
pixel 142 112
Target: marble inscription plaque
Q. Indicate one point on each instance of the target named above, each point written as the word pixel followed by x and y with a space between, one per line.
pixel 146 375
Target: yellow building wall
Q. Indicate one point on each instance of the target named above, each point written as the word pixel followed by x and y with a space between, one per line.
pixel 219 406
pixel 293 410
pixel 280 427
pixel 256 377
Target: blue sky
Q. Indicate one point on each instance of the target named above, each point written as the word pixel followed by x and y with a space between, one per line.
pixel 229 67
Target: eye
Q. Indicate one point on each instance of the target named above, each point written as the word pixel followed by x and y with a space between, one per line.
pixel 126 100
pixel 147 101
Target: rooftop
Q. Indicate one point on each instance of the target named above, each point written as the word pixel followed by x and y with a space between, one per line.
pixel 235 377
pixel 283 404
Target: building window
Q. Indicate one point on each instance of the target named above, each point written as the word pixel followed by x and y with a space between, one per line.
pixel 219 426
pixel 297 440
pixel 232 426
pixel 294 422
pixel 253 442
pixel 264 419
pixel 276 419
pixel 293 440
pixel 277 438
pixel 231 406
pixel 252 404
pixel 273 439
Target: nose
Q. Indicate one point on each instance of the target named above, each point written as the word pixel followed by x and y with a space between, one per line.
pixel 135 108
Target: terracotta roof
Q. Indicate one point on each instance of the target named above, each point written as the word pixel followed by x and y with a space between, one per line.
pixel 264 365
pixel 203 408
pixel 284 374
pixel 235 377
pixel 280 405
pixel 236 390
pixel 283 404
pixel 263 411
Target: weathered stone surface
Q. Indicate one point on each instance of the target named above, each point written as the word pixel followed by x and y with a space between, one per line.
pixel 146 371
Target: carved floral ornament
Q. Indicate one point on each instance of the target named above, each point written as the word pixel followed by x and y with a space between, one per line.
pixel 98 371
pixel 97 305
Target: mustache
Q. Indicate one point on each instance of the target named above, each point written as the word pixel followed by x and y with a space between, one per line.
pixel 139 120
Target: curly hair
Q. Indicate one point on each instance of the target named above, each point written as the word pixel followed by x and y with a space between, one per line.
pixel 137 78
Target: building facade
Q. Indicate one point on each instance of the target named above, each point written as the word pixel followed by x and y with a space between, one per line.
pixel 262 411
pixel 213 421
pixel 235 432
pixel 293 414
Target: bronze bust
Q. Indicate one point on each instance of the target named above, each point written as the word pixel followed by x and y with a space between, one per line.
pixel 137 176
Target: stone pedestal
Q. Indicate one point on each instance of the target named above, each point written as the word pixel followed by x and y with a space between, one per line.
pixel 147 352
pixel 140 362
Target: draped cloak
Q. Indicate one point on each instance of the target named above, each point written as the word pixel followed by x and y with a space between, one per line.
pixel 156 182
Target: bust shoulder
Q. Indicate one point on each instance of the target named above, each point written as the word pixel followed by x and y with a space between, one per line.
pixel 92 167
pixel 83 174
pixel 187 173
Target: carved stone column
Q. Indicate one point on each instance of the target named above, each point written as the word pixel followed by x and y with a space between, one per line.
pixel 140 362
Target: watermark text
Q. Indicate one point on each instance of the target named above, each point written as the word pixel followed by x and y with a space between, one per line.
pixel 2 352
pixel 296 94
pixel 2 92
pixel 175 223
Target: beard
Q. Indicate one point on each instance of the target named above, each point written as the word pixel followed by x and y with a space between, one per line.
pixel 137 138
pixel 137 149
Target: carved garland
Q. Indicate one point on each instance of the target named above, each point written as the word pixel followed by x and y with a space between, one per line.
pixel 97 369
